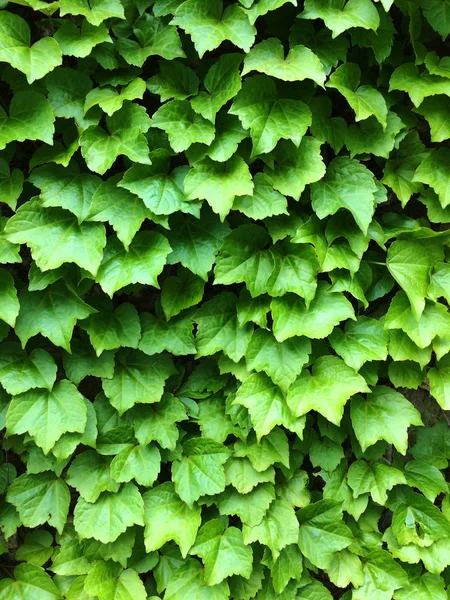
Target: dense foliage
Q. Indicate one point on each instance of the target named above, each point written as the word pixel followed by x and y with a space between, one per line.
pixel 225 355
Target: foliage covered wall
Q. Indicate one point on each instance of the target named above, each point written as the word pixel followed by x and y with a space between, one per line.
pixel 225 355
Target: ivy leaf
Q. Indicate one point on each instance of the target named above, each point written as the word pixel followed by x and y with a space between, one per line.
pixel 265 403
pixel 289 565
pixel 364 100
pixel 11 184
pixel 83 362
pixel 167 518
pixel 30 118
pixel 30 581
pixel 322 532
pixel 435 109
pixel 361 341
pixel 295 270
pixel 281 361
pixel 419 86
pixel 46 415
pixel 219 183
pixel 99 11
pixel 291 317
pixel 381 572
pixel 242 475
pixel 55 237
pixel 109 582
pixel 158 335
pixel 269 118
pixel 222 82
pixel 265 202
pixel 52 312
pixel 250 507
pixel 174 80
pixel 108 517
pixel 296 167
pixel 40 499
pixel 200 471
pixel 428 586
pixel 375 479
pixel 436 13
pixel 370 137
pixel 110 202
pixel 222 551
pixel 426 478
pixel 339 16
pixel 80 42
pixel 154 36
pixel 433 171
pixel 20 372
pixel 143 262
pixel 9 308
pixel 440 282
pixel 209 25
pixel 90 475
pixel 66 188
pixel 300 63
pixel 326 390
pixel 218 328
pixel 189 582
pixel 278 529
pixel 183 126
pixel 36 60
pixel 137 378
pixel 110 329
pixel 141 463
pixel 347 184
pixel 157 422
pixel 373 418
pixel 261 8
pixel 181 291
pixel 439 378
pixel 110 100
pixel 124 137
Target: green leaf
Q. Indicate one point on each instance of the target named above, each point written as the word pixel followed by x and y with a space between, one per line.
pixel 291 317
pixel 55 237
pixel 110 329
pixel 425 587
pixel 9 308
pixel 141 463
pixel 347 184
pixel 296 167
pixel 376 479
pixel 300 63
pixel 158 335
pixel 209 25
pixel 242 475
pixel 40 499
pixel 30 118
pixel 95 12
pixel 195 242
pixel 339 15
pixel 142 263
pixel 200 471
pixel 426 478
pixel 222 551
pixel 189 582
pixel 218 328
pixel 222 82
pixel 440 282
pixel 384 415
pixel 90 475
pixel 251 507
pixel 11 184
pixel 419 86
pixel 108 581
pixel 263 7
pixel 281 361
pixel 326 128
pixel 154 36
pixel 219 183
pixel 110 100
pixel 434 172
pixel 167 518
pixel 20 372
pixel 370 137
pixel 36 60
pixel 158 422
pixel 137 378
pixel 108 517
pixel 346 568
pixel 83 361
pixel 435 110
pixel 322 532
pixel 326 390
pixel 29 581
pixel 382 575
pixel 434 321
pixel 46 415
pixel 80 42
pixel 268 117
pixel 437 15
pixel 364 99
pixel 174 80
pixel 439 378
pixel 265 201
pixel 124 137
pixel 52 312
pixel 181 291
pixel 278 529
pixel 36 549
pixel 361 341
